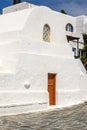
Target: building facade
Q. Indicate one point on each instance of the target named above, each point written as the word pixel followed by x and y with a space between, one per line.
pixel 39 64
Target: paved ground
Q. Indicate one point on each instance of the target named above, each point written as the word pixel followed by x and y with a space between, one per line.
pixel 73 118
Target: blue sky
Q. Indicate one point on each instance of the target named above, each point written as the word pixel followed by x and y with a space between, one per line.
pixel 72 7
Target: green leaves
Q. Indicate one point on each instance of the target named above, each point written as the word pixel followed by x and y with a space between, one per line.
pixel 84 56
pixel 63 11
pixel 85 38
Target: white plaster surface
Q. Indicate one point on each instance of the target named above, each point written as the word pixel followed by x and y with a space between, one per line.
pixel 17 7
pixel 26 60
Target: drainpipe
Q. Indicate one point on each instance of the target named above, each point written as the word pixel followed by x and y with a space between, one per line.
pixel 77 49
pixel 16 1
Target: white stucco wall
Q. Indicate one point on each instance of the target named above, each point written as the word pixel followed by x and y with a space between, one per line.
pixel 81 24
pixel 32 62
pixel 15 21
pixel 55 20
pixel 85 24
pixel 83 86
pixel 26 60
pixel 17 7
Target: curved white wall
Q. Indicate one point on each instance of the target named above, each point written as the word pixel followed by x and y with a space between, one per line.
pixel 26 61
pixel 57 22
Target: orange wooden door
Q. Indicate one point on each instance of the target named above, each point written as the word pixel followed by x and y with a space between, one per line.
pixel 52 88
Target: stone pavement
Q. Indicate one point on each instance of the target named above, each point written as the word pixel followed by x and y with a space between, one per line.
pixel 72 118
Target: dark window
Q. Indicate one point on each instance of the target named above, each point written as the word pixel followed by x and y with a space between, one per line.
pixel 74 50
pixel 69 27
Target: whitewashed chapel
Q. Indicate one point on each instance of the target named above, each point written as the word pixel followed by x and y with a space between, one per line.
pixel 39 59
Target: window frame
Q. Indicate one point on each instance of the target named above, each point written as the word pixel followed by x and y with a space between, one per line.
pixel 46 33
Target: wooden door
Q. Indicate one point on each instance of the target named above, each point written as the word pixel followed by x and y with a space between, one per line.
pixel 52 89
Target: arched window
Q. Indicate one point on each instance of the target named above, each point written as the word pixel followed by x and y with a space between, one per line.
pixel 69 27
pixel 46 33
